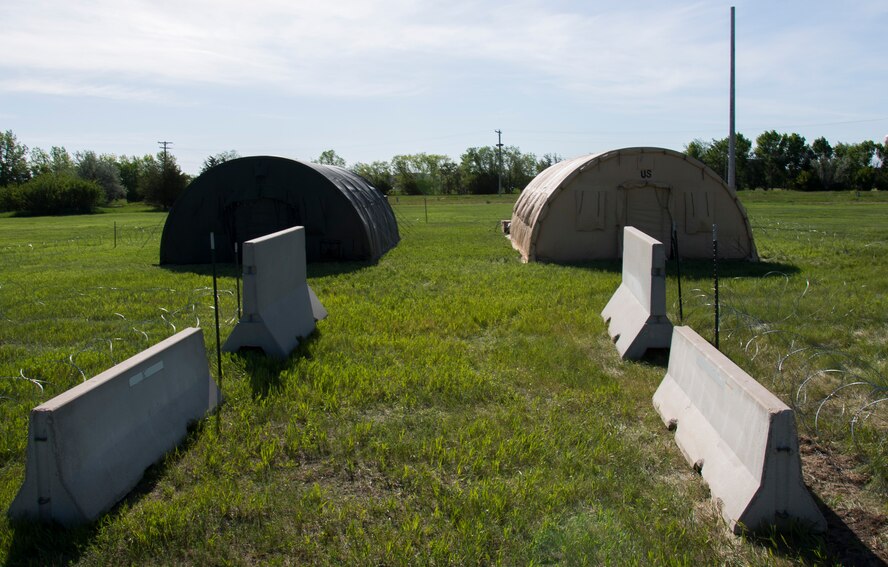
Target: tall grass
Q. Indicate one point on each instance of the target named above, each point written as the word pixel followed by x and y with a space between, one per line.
pixel 811 321
pixel 457 406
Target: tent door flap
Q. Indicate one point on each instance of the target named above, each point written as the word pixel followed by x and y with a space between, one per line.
pixel 698 212
pixel 591 209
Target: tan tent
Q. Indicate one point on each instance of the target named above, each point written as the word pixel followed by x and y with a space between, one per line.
pixel 576 209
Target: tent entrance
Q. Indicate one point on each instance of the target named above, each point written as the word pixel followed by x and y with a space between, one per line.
pixel 251 219
pixel 647 209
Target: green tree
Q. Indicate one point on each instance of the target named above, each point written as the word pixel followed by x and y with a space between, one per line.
pixel 798 160
pixel 547 161
pixel 715 155
pixel 783 159
pixel 822 163
pixel 518 169
pixel 378 174
pixel 39 162
pixel 479 169
pixel 854 165
pixel 58 161
pixel 221 157
pixel 104 171
pixel 451 178
pixel 480 172
pixel 132 171
pixel 421 174
pixel 770 156
pixel 405 178
pixel 163 181
pixel 330 157
pixel 14 168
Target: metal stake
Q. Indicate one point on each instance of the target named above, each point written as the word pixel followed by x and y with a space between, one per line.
pixel 237 280
pixel 715 276
pixel 678 270
pixel 216 306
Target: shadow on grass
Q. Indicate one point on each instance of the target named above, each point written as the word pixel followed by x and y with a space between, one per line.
pixel 37 543
pixel 700 269
pixel 838 546
pixel 655 357
pixel 230 270
pixel 264 371
pixel 34 543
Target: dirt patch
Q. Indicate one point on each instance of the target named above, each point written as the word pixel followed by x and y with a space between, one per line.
pixel 857 531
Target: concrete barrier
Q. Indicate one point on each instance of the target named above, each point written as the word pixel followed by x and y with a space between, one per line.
pixel 636 314
pixel 89 446
pixel 739 435
pixel 279 306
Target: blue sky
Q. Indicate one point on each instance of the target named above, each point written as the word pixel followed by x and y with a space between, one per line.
pixel 376 78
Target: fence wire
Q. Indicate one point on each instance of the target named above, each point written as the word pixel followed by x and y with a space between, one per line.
pixel 811 341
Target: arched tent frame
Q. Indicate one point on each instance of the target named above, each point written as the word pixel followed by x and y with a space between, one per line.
pixel 345 218
pixel 689 184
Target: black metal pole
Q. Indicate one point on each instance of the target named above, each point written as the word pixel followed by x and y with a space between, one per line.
pixel 237 280
pixel 715 276
pixel 216 307
pixel 678 271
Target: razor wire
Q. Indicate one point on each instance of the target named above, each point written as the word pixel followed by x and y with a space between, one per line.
pixel 136 235
pixel 113 335
pixel 407 224
pixel 770 329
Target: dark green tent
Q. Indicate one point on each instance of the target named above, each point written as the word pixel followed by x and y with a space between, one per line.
pixel 345 218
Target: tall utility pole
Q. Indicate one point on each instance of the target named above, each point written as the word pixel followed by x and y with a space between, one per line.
pixel 165 145
pixel 499 161
pixel 164 167
pixel 732 148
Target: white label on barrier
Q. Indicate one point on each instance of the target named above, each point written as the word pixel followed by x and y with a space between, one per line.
pixel 151 370
pixel 136 379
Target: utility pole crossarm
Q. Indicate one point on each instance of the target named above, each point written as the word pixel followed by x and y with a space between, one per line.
pixel 165 145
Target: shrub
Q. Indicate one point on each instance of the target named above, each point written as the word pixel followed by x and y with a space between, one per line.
pixel 50 194
pixel 10 198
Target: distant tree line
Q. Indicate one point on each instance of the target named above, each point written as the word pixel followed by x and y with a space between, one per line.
pixel 37 181
pixel 787 161
pixel 477 172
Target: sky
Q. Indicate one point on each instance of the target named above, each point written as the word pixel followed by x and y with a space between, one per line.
pixel 372 79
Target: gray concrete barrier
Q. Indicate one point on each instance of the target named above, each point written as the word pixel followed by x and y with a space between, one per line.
pixel 739 435
pixel 89 446
pixel 636 313
pixel 279 307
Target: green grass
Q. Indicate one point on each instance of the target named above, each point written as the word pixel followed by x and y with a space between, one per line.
pixel 811 322
pixel 457 406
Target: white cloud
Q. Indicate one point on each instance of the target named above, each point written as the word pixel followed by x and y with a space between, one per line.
pixel 374 48
pixel 53 86
pixel 528 64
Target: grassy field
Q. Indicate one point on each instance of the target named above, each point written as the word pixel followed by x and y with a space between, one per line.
pixel 457 406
